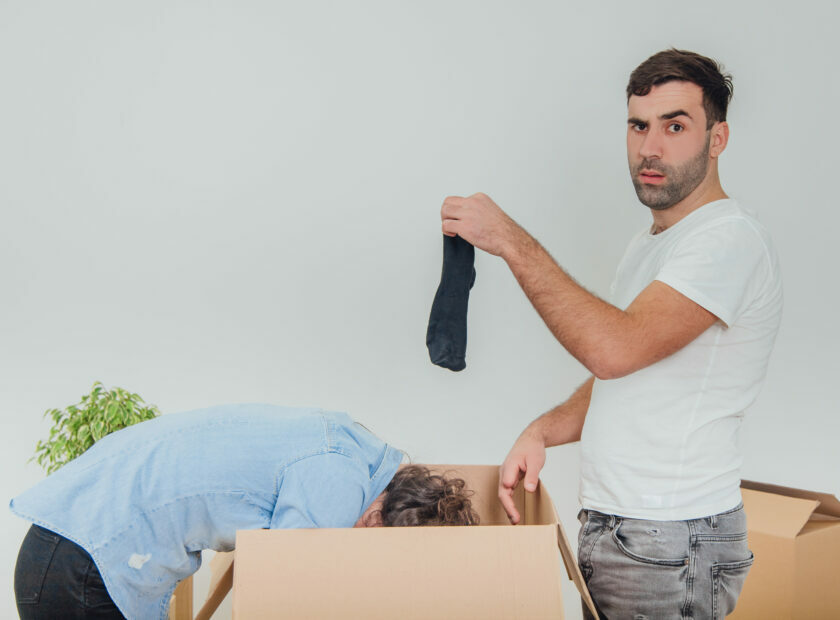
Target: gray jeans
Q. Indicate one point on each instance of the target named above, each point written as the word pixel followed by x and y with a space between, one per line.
pixel 660 570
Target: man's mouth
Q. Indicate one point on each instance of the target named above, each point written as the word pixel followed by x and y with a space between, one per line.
pixel 651 176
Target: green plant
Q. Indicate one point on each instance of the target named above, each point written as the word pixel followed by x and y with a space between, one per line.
pixel 77 427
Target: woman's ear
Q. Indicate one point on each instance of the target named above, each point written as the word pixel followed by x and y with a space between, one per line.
pixel 372 517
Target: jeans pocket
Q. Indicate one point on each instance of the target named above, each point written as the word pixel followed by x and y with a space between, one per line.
pixel 583 523
pixel 95 592
pixel 664 543
pixel 589 534
pixel 727 580
pixel 36 553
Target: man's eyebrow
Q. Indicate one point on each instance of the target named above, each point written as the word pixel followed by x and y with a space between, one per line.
pixel 664 117
pixel 674 114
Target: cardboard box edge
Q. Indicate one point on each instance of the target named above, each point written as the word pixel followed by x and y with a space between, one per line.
pixel 828 504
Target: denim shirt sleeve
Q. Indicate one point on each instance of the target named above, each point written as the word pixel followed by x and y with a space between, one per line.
pixel 324 490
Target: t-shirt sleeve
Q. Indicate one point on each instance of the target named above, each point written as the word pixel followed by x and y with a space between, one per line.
pixel 720 268
pixel 325 490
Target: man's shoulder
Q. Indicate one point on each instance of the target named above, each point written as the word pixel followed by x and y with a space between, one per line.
pixel 724 221
pixel 723 212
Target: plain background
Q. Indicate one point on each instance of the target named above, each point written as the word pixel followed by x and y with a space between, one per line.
pixel 211 202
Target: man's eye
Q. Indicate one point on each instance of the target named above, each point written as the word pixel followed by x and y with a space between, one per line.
pixel 675 128
pixel 639 126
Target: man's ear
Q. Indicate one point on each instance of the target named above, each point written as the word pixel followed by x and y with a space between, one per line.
pixel 719 138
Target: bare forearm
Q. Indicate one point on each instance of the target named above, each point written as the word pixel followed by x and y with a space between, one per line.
pixel 595 332
pixel 564 423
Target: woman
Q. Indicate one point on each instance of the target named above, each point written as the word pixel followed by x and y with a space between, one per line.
pixel 115 529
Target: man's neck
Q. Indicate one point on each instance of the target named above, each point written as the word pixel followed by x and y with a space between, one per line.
pixel 704 194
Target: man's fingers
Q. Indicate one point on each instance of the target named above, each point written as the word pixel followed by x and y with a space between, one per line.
pixel 455 201
pixel 532 475
pixel 450 207
pixel 524 461
pixel 449 211
pixel 449 227
pixel 511 473
pixel 506 497
pixel 531 480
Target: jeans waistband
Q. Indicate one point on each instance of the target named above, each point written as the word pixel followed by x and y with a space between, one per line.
pixel 594 515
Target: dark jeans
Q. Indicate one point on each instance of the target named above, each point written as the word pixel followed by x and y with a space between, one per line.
pixel 56 578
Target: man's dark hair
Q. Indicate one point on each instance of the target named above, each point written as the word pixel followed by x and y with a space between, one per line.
pixel 681 65
pixel 415 496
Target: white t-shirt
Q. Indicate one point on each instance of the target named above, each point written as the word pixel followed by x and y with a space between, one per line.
pixel 661 443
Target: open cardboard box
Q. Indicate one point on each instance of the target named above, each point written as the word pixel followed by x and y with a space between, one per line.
pixel 795 536
pixel 494 570
pixel 501 571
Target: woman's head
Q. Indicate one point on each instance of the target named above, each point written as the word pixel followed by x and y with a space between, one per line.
pixel 416 496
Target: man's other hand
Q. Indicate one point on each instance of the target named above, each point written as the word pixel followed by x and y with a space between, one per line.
pixel 525 460
pixel 481 222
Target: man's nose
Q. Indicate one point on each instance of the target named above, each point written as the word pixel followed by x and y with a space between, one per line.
pixel 651 146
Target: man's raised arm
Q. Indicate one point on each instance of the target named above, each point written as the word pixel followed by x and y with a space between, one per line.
pixel 608 341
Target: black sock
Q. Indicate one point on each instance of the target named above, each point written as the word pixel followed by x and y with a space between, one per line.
pixel 446 336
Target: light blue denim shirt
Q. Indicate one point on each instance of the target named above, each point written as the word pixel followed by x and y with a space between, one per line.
pixel 144 501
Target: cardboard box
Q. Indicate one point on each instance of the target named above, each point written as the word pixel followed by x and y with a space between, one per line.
pixel 795 536
pixel 494 570
pixel 181 603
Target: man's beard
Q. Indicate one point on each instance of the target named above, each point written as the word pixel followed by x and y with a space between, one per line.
pixel 679 182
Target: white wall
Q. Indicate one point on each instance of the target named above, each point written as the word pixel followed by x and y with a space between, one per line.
pixel 211 202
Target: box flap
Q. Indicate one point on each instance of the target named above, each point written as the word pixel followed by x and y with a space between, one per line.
pixel 573 570
pixel 776 515
pixel 483 480
pixel 538 507
pixel 220 566
pixel 221 581
pixel 181 606
pixel 828 504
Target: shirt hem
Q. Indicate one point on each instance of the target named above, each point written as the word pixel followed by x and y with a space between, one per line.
pixel 685 513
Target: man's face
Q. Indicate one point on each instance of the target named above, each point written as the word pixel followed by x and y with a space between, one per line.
pixel 667 143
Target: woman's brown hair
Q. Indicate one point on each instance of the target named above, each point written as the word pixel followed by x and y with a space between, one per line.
pixel 416 496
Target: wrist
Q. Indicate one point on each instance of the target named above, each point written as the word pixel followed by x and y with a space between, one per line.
pixel 517 246
pixel 535 432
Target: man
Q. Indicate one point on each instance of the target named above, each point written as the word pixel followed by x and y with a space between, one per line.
pixel 115 529
pixel 676 357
